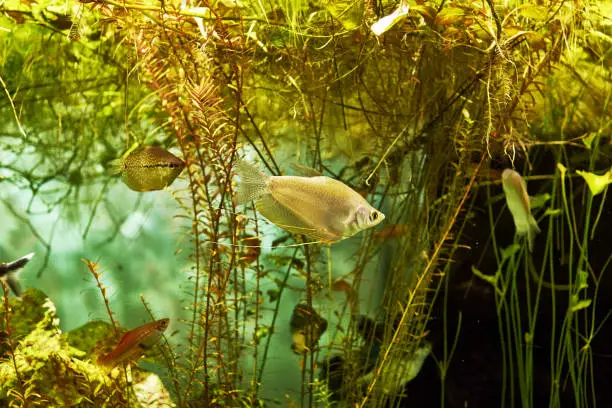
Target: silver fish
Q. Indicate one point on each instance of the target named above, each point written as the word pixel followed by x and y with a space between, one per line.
pixel 320 207
pixel 9 272
pixel 148 168
pixel 515 190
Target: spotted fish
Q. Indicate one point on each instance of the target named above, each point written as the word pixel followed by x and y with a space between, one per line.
pixel 148 168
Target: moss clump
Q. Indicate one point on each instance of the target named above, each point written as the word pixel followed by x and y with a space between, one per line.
pixel 25 316
pixel 52 369
pixel 92 338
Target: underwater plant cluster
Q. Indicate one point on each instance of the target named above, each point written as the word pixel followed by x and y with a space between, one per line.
pixel 236 203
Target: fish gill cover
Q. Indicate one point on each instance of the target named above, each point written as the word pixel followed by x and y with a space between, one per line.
pixel 417 107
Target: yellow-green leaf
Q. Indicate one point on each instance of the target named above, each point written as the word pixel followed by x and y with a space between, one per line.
pixel 492 279
pixel 562 169
pixel 539 200
pixel 534 12
pixel 507 253
pixel 348 13
pixel 449 15
pixel 582 279
pixel 588 140
pixel 580 304
pixel 596 183
pixel 553 212
pixel 428 12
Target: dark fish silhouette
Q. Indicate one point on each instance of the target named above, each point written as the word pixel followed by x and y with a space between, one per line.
pixel 307 327
pixel 10 272
pixel 148 168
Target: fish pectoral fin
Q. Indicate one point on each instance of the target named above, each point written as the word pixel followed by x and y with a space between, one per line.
pixel 283 217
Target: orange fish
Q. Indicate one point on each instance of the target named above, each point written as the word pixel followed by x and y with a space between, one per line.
pixel 134 343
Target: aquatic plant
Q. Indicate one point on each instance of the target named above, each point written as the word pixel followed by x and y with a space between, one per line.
pixel 419 116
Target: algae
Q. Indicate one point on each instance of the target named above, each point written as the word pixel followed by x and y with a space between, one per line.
pixel 54 369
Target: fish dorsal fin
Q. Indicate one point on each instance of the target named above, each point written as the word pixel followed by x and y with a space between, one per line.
pixel 305 170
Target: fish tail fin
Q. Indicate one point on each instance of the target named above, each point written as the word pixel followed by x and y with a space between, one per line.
pixel 10 272
pixel 105 362
pixel 114 166
pixel 12 280
pixel 532 230
pixel 253 183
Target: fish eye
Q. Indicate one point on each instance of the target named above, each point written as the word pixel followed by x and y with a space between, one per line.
pixel 373 216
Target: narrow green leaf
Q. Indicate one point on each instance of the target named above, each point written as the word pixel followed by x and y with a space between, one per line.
pixel 539 200
pixel 492 279
pixel 553 212
pixel 562 169
pixel 508 252
pixel 534 12
pixel 588 140
pixel 582 278
pixel 596 183
pixel 449 15
pixel 581 304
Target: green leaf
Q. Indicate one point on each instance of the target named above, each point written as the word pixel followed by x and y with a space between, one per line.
pixel 580 304
pixel 553 212
pixel 582 278
pixel 562 169
pixel 534 12
pixel 596 183
pixel 588 140
pixel 449 15
pixel 508 252
pixel 539 200
pixel 492 279
pixel 348 13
